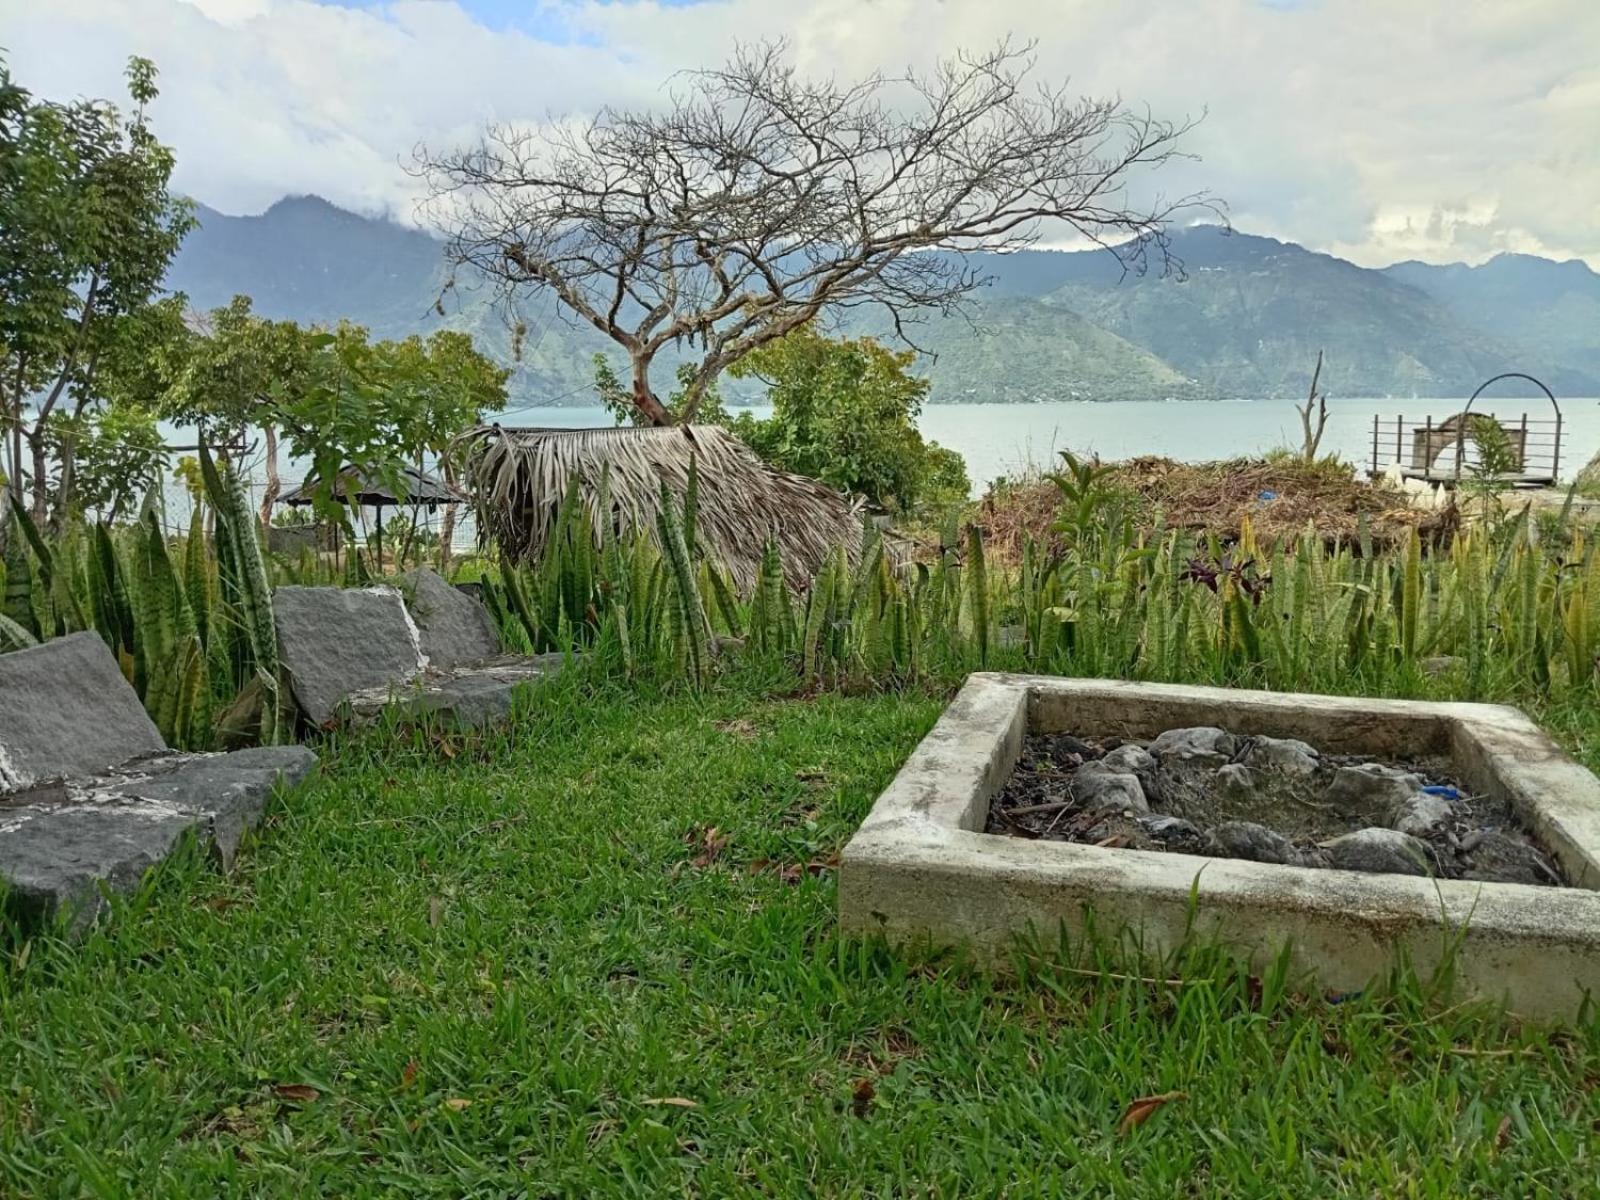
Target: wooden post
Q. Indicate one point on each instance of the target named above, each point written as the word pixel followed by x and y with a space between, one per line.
pixel 1555 453
pixel 1374 444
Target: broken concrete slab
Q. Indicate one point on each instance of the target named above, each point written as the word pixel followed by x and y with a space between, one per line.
pixel 362 650
pixel 91 798
pixel 63 845
pixel 66 710
pixel 473 695
pixel 455 630
pixel 336 641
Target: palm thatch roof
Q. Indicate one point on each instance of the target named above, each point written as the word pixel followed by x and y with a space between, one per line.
pixel 366 488
pixel 520 476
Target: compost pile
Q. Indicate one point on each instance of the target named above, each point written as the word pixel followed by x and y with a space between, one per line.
pixel 1282 498
pixel 1203 790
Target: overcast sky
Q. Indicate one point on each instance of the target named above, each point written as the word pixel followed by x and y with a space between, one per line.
pixel 1377 129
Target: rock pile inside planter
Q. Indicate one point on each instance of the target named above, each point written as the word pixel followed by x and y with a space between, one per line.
pixel 1273 800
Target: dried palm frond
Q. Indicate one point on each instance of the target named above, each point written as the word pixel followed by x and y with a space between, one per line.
pixel 519 477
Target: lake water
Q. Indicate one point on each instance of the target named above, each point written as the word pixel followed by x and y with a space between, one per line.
pixel 1005 439
pixel 1001 439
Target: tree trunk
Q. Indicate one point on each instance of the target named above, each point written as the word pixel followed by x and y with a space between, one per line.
pixel 58 516
pixel 447 523
pixel 269 494
pixel 644 399
pixel 41 481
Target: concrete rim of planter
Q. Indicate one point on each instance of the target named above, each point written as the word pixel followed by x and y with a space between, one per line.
pixel 921 867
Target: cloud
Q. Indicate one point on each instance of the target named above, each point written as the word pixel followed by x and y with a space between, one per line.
pixel 1438 129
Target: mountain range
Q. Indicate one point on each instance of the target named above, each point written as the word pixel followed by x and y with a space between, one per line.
pixel 1241 316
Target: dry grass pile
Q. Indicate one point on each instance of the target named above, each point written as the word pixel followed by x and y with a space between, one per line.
pixel 1283 498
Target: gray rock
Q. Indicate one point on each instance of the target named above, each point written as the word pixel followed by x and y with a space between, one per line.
pixel 1501 858
pixel 63 844
pixel 454 629
pixel 228 791
pixel 1382 851
pixel 471 696
pixel 1235 780
pixel 1171 829
pixel 1201 742
pixel 336 641
pixel 95 799
pixel 1246 839
pixel 1099 788
pixel 1131 758
pixel 1286 756
pixel 66 710
pixel 1422 815
pixel 1371 789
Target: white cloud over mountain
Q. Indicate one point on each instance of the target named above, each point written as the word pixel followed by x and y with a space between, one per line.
pixel 1377 129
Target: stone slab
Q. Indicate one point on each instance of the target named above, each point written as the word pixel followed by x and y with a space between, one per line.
pixel 66 710
pixel 337 641
pixel 63 844
pixel 920 868
pixel 472 696
pixel 455 630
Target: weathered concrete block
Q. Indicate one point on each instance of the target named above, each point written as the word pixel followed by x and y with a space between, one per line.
pixel 921 868
pixel 90 796
pixel 337 641
pixel 63 845
pixel 454 629
pixel 66 710
pixel 472 695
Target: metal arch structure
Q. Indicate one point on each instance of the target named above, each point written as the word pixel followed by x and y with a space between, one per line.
pixel 1555 452
pixel 1487 383
pixel 1530 439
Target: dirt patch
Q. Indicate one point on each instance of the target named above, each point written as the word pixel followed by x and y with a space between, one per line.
pixel 1206 791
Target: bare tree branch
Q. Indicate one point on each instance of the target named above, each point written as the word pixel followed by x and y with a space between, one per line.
pixel 756 200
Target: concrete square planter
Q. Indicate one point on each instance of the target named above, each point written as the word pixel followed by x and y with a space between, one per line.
pixel 921 867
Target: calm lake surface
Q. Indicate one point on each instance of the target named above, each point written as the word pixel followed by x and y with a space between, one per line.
pixel 1001 439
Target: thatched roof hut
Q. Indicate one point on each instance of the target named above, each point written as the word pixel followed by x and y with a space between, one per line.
pixel 519 477
pixel 352 485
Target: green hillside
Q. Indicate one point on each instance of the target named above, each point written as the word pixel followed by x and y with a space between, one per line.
pixel 1246 319
pixel 1251 313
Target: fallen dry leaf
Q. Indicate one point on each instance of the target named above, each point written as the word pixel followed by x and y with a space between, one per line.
pixel 295 1091
pixel 738 728
pixel 795 872
pixel 456 1104
pixel 435 910
pixel 861 1098
pixel 671 1101
pixel 1142 1109
pixel 1502 1133
pixel 408 1074
pixel 711 842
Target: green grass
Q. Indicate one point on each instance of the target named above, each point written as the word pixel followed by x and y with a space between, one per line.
pixel 494 960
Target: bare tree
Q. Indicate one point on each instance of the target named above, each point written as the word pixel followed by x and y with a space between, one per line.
pixel 1313 416
pixel 756 199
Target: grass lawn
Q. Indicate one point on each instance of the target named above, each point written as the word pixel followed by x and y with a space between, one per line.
pixel 586 958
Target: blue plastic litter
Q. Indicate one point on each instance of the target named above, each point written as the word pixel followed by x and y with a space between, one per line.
pixel 1442 789
pixel 1267 496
